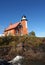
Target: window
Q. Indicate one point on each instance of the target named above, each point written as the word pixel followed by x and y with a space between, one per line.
pixel 9 33
pixel 16 31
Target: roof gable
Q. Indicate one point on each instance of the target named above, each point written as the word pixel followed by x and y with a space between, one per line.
pixel 12 26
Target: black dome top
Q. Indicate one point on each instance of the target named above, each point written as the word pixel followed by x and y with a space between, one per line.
pixel 23 18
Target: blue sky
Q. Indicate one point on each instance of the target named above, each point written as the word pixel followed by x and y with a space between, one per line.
pixel 12 11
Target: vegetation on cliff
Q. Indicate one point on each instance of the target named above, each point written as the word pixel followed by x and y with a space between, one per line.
pixel 31 47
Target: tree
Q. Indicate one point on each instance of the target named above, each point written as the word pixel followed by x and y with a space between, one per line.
pixel 32 33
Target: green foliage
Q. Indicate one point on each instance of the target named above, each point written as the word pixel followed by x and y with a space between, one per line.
pixel 34 47
pixel 28 40
pixel 32 33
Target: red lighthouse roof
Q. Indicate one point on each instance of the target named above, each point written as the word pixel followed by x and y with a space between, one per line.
pixel 11 26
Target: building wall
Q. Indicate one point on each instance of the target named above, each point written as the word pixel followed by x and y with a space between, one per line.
pixel 10 32
pixel 21 31
pixel 24 24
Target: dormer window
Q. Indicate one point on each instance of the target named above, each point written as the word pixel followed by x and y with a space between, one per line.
pixel 20 25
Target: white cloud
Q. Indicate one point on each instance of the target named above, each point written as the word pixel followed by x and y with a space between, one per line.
pixel 41 34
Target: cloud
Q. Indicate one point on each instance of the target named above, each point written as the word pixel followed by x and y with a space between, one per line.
pixel 41 34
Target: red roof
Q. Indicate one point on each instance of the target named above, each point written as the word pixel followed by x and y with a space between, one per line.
pixel 11 26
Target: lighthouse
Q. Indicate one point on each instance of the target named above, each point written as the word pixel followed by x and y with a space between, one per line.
pixel 24 24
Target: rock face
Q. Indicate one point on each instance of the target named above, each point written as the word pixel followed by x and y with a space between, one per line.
pixel 17 60
pixel 4 62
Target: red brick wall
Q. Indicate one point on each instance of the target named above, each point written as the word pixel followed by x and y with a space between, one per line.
pixel 24 30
